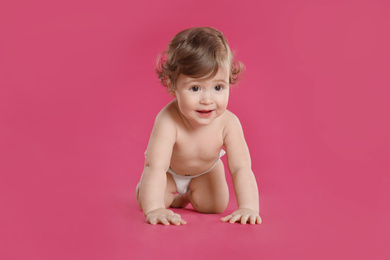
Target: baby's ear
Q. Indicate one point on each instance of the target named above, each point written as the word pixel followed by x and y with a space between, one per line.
pixel 172 92
pixel 171 89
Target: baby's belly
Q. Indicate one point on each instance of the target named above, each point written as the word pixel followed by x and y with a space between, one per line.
pixel 184 164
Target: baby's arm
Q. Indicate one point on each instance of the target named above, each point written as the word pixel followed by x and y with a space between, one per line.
pixel 154 180
pixel 244 181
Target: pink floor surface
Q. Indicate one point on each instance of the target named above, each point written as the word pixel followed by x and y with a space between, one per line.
pixel 78 97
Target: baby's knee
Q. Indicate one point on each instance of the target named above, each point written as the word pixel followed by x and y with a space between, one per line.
pixel 208 205
pixel 137 196
pixel 221 205
pixel 216 208
pixel 219 208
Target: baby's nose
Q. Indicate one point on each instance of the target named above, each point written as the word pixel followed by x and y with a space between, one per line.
pixel 206 98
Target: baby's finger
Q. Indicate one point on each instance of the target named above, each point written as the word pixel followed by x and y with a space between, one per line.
pixel 152 220
pixel 234 218
pixel 175 220
pixel 258 220
pixel 182 222
pixel 244 219
pixel 252 220
pixel 226 219
pixel 164 221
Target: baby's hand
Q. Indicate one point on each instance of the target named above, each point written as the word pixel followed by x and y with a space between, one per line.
pixel 165 217
pixel 244 216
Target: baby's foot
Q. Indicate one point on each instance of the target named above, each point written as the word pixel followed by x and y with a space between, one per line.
pixel 180 201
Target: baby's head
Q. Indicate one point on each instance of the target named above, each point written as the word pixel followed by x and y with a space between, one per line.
pixel 197 53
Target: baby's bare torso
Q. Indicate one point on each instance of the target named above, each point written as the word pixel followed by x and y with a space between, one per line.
pixel 196 150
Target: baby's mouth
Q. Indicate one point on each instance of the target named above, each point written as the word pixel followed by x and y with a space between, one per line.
pixel 204 113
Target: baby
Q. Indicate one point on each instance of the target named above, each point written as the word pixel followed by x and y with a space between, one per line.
pixel 182 160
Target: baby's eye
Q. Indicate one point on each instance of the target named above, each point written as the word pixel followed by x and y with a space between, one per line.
pixel 195 88
pixel 218 88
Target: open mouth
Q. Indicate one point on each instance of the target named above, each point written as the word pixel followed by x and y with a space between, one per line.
pixel 204 113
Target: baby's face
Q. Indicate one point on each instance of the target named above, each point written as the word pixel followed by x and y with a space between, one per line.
pixel 202 100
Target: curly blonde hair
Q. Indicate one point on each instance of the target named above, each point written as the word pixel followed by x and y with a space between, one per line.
pixel 196 52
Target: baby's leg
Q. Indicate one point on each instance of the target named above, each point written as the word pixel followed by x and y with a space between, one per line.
pixel 169 192
pixel 209 193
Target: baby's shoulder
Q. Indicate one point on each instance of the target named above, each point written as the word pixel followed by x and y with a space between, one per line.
pixel 231 122
pixel 167 115
pixel 230 118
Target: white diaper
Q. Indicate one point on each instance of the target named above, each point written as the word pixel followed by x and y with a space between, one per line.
pixel 183 182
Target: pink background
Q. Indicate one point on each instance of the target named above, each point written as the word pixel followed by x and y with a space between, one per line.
pixel 78 97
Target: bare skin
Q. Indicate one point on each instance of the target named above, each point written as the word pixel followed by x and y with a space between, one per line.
pixel 187 136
